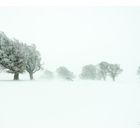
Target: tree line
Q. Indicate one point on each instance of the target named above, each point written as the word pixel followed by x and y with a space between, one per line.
pixel 92 72
pixel 17 57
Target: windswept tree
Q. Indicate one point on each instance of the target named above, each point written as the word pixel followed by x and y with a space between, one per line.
pixel 33 60
pixel 114 70
pixel 12 56
pixel 64 73
pixel 103 69
pixel 88 72
pixel 16 57
pixel 4 40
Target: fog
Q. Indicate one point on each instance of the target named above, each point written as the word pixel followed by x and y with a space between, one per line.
pixel 75 36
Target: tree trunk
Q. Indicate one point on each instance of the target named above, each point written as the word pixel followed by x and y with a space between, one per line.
pixel 113 78
pixel 104 78
pixel 31 76
pixel 16 76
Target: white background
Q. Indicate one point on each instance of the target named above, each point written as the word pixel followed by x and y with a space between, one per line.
pixel 69 134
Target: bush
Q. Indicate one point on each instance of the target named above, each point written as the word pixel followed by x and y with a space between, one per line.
pixel 64 73
pixel 48 75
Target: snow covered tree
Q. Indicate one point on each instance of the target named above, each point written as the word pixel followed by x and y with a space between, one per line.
pixel 16 57
pixel 64 73
pixel 114 70
pixel 4 40
pixel 33 60
pixel 13 59
pixel 12 56
pixel 88 72
pixel 103 69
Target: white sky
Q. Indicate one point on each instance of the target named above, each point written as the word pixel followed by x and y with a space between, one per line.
pixel 75 36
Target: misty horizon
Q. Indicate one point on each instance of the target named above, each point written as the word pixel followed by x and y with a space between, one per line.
pixel 74 37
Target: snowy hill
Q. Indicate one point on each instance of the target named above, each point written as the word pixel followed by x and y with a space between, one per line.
pixel 69 104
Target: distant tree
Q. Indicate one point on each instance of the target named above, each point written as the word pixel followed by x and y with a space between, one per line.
pixel 64 73
pixel 48 74
pixel 33 60
pixel 114 70
pixel 88 72
pixel 12 56
pixel 98 73
pixel 138 71
pixel 103 69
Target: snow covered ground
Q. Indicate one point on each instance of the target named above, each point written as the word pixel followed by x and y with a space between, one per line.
pixel 55 103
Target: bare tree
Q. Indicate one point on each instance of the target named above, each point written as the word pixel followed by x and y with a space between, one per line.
pixel 114 70
pixel 103 69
